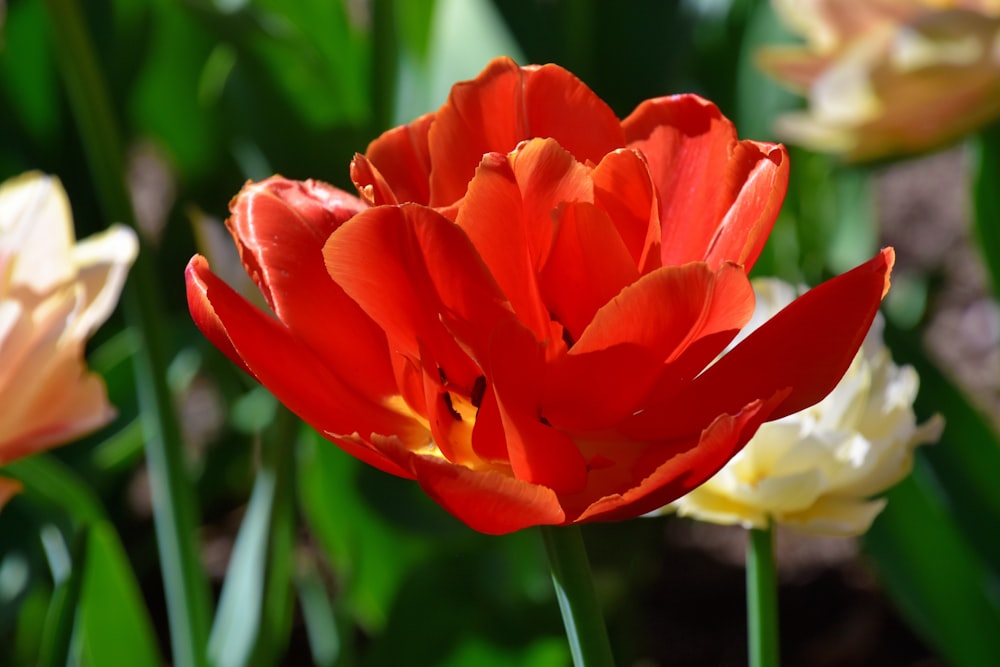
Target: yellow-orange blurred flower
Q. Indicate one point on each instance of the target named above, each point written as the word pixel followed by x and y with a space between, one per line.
pixel 888 77
pixel 817 470
pixel 54 292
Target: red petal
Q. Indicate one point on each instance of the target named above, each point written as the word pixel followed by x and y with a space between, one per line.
pixel 538 453
pixel 702 173
pixel 402 157
pixel 295 376
pixel 204 314
pixel 507 214
pixel 374 189
pixel 624 190
pixel 666 472
pixel 587 267
pixel 806 348
pixel 485 500
pixel 281 226
pixel 507 104
pixel 637 338
pixel 418 276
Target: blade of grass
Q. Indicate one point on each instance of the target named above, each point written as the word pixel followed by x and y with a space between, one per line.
pixel 986 199
pixel 173 499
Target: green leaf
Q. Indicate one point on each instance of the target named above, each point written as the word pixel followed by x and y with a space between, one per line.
pixel 966 461
pixel 238 619
pixel 58 633
pixel 935 577
pixel 986 200
pixel 114 625
pixel 370 555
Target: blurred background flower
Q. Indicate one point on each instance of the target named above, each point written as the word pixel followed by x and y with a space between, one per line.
pixel 54 292
pixel 819 469
pixel 887 77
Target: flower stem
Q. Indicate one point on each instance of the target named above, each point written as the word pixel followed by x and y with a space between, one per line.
pixel 762 599
pixel 588 638
pixel 173 498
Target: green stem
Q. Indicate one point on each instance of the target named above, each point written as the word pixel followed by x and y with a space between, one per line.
pixel 173 498
pixel 985 200
pixel 588 638
pixel 762 599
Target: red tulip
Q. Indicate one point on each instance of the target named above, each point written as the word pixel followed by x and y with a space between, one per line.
pixel 522 310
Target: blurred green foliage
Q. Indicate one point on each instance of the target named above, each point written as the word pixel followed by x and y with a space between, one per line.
pixel 311 555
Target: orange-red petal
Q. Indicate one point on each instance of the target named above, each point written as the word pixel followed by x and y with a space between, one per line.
pixel 806 349
pixel 291 371
pixel 660 479
pixel 507 214
pixel 280 226
pixel 587 267
pixel 633 340
pixel 486 500
pixel 702 173
pixel 418 276
pixel 402 157
pixel 507 104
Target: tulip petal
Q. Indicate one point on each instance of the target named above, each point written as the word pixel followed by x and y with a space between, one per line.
pixel 507 215
pixel 486 500
pixel 623 188
pixel 48 396
pixel 637 338
pixel 292 372
pixel 807 347
pixel 733 189
pixel 281 226
pixel 401 157
pixel 538 453
pixel 660 477
pixel 507 104
pixel 418 276
pixel 587 267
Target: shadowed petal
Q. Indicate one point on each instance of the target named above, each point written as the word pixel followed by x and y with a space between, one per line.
pixel 659 479
pixel 587 267
pixel 623 188
pixel 486 500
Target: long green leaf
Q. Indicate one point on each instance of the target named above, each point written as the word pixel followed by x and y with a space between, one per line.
pixel 173 498
pixel 986 200
pixel 937 579
pixel 114 624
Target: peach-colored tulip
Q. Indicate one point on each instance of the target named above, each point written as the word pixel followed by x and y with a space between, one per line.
pixel 888 77
pixel 54 292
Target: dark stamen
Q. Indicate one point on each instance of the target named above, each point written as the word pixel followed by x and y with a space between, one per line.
pixel 478 391
pixel 567 337
pixel 451 408
pixel 444 378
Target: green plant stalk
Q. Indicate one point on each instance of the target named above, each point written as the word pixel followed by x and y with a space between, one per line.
pixel 173 499
pixel 986 200
pixel 57 635
pixel 762 599
pixel 581 612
